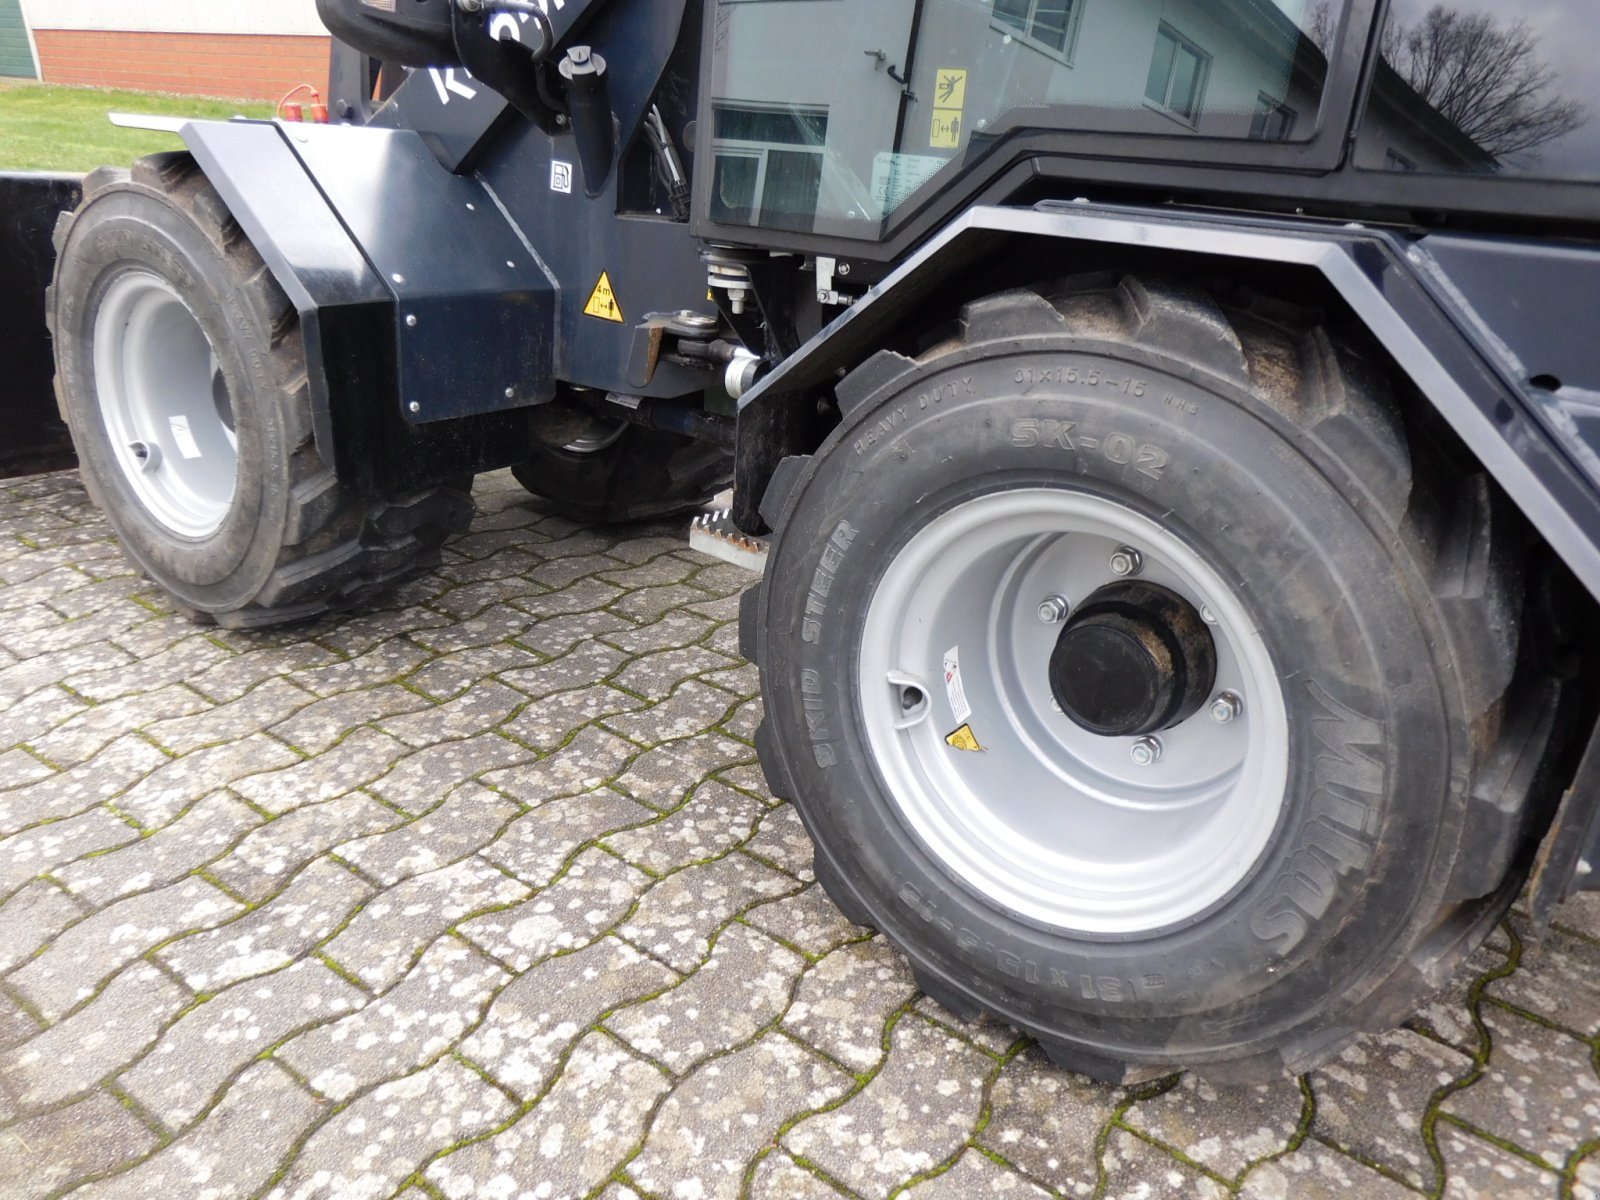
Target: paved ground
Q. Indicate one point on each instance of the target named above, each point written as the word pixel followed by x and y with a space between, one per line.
pixel 481 895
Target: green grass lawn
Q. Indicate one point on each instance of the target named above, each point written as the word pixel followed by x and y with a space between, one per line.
pixel 44 128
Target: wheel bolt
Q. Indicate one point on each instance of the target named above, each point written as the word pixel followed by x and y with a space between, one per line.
pixel 1206 615
pixel 1226 707
pixel 1053 609
pixel 1146 752
pixel 1126 561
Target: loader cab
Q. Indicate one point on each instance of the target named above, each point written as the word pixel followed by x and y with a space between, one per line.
pixel 865 120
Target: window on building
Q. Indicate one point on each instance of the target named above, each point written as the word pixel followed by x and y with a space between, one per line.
pixel 1048 22
pixel 1273 120
pixel 768 165
pixel 1178 70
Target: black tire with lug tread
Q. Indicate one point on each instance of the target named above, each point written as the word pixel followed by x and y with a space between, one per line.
pixel 294 542
pixel 1388 596
pixel 642 475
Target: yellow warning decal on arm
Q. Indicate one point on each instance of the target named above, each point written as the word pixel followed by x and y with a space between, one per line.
pixel 603 303
pixel 964 739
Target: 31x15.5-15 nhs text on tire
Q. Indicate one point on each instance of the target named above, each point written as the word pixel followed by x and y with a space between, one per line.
pixel 1117 656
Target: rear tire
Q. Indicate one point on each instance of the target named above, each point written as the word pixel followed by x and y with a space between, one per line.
pixel 1263 471
pixel 181 372
pixel 615 471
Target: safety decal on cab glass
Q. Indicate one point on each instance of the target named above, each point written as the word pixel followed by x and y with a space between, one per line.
pixel 949 103
pixel 963 739
pixel 603 303
pixel 957 695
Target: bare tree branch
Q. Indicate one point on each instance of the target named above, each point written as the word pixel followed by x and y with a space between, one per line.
pixel 1484 77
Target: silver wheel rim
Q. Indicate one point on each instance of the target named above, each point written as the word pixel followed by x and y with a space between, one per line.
pixel 601 436
pixel 165 405
pixel 1049 821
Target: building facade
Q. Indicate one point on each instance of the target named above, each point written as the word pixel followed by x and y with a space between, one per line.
pixel 236 49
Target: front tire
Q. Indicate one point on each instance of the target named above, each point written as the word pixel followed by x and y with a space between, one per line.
pixel 182 374
pixel 1243 888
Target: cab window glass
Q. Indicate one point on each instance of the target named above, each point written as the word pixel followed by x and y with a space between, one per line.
pixel 830 115
pixel 1487 88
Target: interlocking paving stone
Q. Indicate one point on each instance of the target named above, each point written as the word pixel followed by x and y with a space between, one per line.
pixel 229 1157
pixel 163 794
pixel 214 1041
pixel 720 1117
pixel 845 1001
pixel 742 987
pixel 360 759
pixel 1535 1091
pixel 282 930
pixel 33 916
pixel 418 1019
pixel 85 954
pixel 531 1023
pixel 591 758
pixel 807 920
pixel 779 1177
pixel 572 1142
pixel 548 723
pixel 1045 1122
pixel 27 855
pixel 79 738
pixel 1222 1129
pixel 127 759
pixel 414 823
pixel 421 780
pixel 676 918
pixel 366 1151
pixel 257 709
pixel 75 1054
pixel 93 1136
pixel 663 776
pixel 693 708
pixel 268 855
pixel 319 724
pixel 973 1177
pixel 202 834
pixel 1314 1172
pixel 712 821
pixel 1136 1170
pixel 536 846
pixel 916 1112
pixel 380 942
pixel 1371 1098
pixel 1480 1170
pixel 467 820
pixel 1562 983
pixel 587 901
pixel 481 708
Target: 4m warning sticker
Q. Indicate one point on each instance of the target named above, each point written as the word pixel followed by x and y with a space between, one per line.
pixel 603 303
pixel 963 739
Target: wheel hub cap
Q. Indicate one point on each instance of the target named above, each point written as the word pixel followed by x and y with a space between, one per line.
pixel 1135 659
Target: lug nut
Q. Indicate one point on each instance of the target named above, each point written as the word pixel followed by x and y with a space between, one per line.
pixel 1206 615
pixel 1126 561
pixel 1146 752
pixel 1226 707
pixel 1053 609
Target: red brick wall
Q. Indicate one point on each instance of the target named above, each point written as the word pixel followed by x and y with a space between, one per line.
pixel 232 66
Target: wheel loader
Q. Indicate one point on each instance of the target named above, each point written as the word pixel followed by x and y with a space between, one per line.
pixel 1176 424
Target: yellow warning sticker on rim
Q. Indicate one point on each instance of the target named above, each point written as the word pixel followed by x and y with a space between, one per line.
pixel 964 739
pixel 603 303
